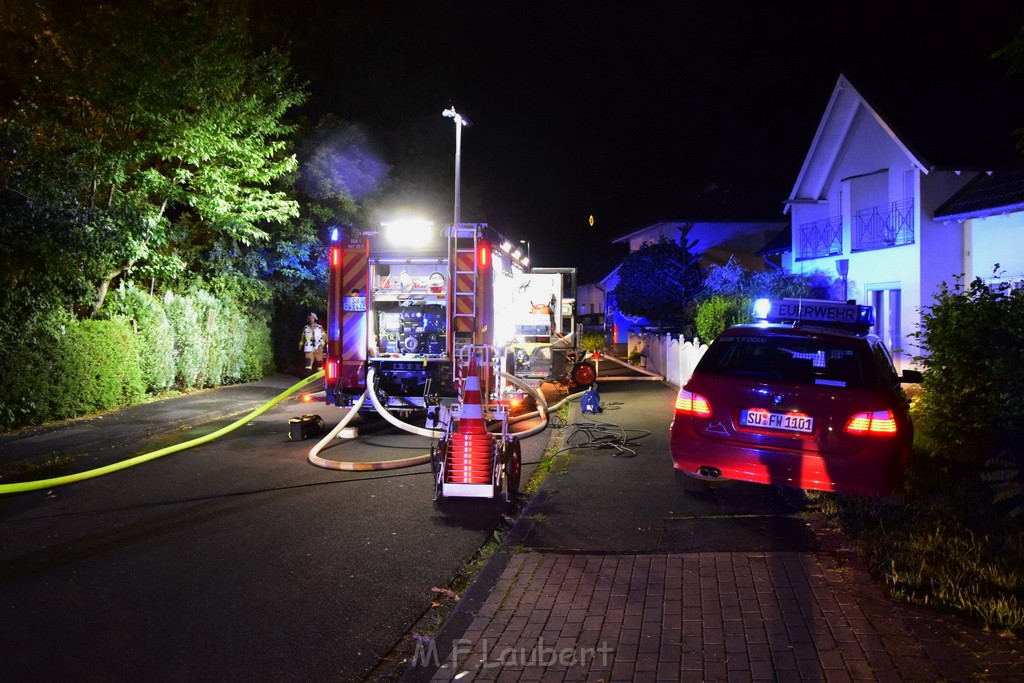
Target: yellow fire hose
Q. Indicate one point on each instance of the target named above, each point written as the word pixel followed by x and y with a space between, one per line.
pixel 313 457
pixel 146 457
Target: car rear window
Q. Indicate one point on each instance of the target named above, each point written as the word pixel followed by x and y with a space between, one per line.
pixel 794 360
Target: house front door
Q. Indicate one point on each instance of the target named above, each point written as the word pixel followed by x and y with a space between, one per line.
pixel 888 324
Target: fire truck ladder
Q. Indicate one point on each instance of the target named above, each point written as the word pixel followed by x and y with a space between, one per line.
pixel 466 271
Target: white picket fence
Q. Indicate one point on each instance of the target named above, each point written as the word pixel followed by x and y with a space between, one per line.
pixel 667 355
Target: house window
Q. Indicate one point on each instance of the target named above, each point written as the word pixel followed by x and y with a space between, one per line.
pixel 875 222
pixel 908 184
pixel 868 190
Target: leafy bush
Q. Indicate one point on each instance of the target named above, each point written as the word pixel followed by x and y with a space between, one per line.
pixel 973 338
pixel 105 372
pixel 238 347
pixel 210 315
pixel 659 281
pixel 592 341
pixel 732 279
pixel 781 284
pixel 730 291
pixel 31 355
pixel 84 367
pixel 232 330
pixel 189 340
pixel 257 354
pixel 211 342
pixel 720 312
pixel 155 338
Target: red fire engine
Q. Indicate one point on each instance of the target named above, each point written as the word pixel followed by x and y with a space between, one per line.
pixel 415 310
pixel 406 300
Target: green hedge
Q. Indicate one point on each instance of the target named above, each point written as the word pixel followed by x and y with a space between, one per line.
pixel 96 368
pixel 33 352
pixel 155 336
pixel 257 353
pixel 55 367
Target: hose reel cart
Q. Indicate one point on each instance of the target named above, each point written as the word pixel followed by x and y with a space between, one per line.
pixel 469 461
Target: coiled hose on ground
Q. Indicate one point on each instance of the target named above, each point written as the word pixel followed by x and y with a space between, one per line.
pixel 314 457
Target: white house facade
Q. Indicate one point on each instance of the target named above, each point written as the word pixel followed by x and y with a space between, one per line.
pixel 865 202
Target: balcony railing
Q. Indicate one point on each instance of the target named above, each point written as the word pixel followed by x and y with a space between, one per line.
pixel 821 238
pixel 883 226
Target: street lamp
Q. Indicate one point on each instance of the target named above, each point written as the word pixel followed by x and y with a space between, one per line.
pixel 459 123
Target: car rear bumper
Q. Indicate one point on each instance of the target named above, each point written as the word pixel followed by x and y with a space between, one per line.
pixel 876 470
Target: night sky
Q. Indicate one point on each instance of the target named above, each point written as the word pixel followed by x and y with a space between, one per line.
pixel 626 111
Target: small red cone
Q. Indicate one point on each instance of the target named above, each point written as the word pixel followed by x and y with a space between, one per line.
pixel 472 446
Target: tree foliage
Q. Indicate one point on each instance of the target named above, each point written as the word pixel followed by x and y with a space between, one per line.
pixel 660 281
pixel 141 134
pixel 730 291
pixel 340 174
pixel 732 279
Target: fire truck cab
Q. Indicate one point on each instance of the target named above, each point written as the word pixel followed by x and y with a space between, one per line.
pixel 409 300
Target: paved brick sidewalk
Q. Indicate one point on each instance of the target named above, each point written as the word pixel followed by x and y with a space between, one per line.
pixel 711 617
pixel 601 590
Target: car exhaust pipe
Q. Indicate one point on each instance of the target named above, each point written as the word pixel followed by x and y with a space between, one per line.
pixel 707 471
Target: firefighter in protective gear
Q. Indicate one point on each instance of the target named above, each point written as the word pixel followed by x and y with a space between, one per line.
pixel 313 342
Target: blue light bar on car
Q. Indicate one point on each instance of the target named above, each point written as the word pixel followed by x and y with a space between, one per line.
pixel 814 311
pixel 762 307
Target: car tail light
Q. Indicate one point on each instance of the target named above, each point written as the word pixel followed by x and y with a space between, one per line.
pixel 689 403
pixel 877 422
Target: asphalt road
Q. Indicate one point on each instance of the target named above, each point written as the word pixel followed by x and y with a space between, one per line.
pixel 611 499
pixel 234 560
pixel 239 560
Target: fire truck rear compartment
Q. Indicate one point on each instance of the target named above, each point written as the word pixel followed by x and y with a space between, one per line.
pixel 415 378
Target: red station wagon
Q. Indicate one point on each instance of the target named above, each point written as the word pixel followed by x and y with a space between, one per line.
pixel 811 403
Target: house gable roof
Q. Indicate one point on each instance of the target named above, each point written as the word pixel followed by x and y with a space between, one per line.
pixel 972 131
pixel 780 244
pixel 990 194
pixel 844 105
